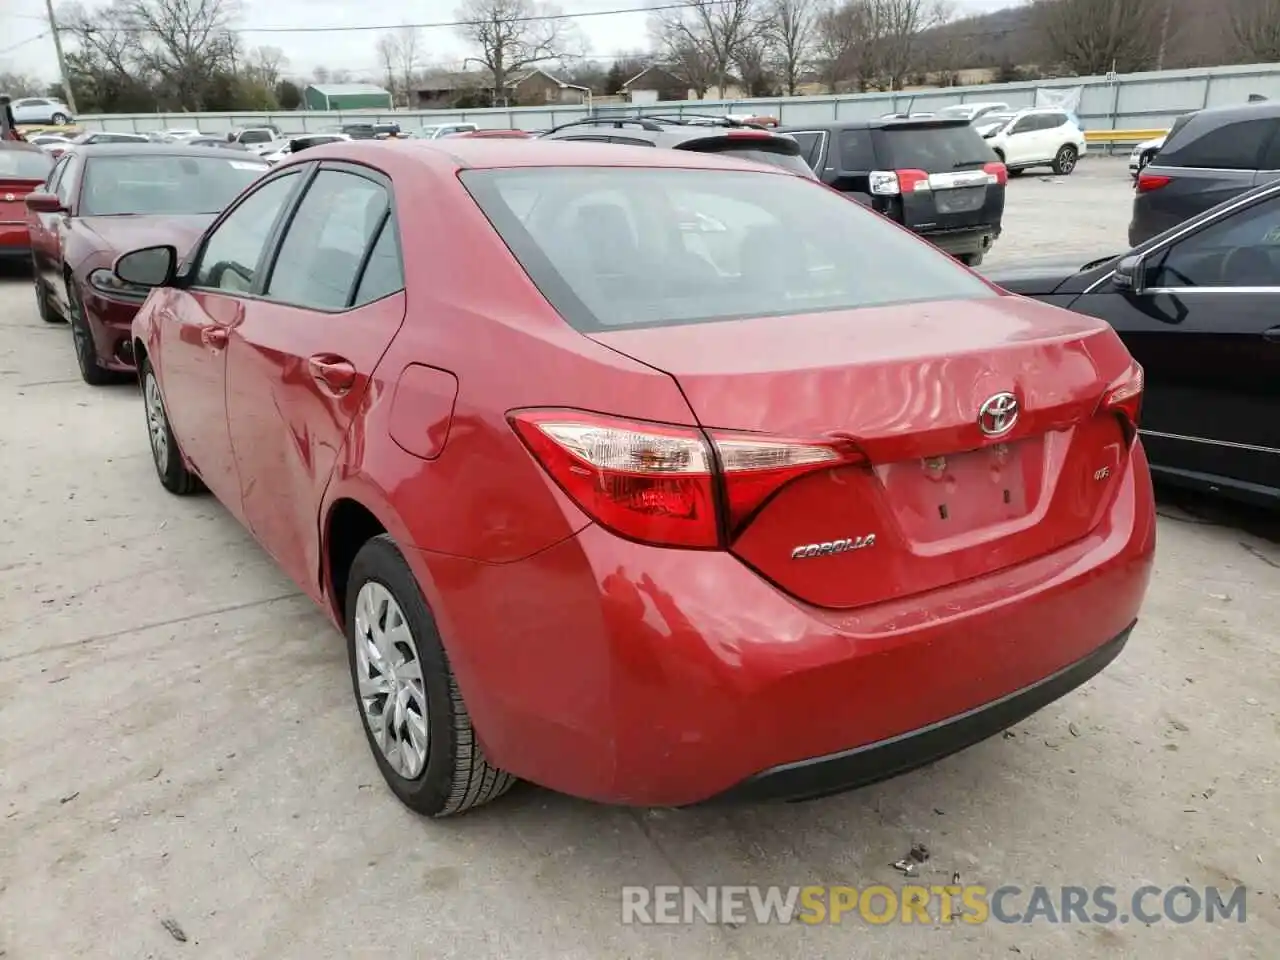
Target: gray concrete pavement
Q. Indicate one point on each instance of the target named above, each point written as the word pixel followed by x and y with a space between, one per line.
pixel 178 742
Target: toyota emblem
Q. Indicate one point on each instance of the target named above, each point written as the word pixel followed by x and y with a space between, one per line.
pixel 998 414
pixel 9 198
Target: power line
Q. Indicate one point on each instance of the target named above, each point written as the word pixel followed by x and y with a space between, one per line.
pixel 23 43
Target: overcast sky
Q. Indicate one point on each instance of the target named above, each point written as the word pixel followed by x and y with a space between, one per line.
pixel 25 46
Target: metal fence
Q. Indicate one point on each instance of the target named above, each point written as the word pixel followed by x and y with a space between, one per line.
pixel 1127 101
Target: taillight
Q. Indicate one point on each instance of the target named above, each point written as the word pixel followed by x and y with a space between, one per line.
pixel 891 183
pixel 1152 181
pixel 1124 399
pixel 997 170
pixel 668 485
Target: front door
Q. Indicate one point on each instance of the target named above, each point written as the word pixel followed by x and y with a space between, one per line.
pixel 1206 329
pixel 196 323
pixel 300 361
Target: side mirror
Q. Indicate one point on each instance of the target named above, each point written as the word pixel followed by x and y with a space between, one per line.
pixel 148 267
pixel 44 203
pixel 1128 275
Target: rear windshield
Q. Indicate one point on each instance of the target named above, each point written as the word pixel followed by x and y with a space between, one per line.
pixel 627 246
pixel 1232 146
pixel 256 136
pixel 24 164
pixel 171 185
pixel 781 152
pixel 933 149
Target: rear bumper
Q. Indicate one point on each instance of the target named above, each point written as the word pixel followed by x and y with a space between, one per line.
pixel 849 769
pixel 959 242
pixel 630 674
pixel 15 241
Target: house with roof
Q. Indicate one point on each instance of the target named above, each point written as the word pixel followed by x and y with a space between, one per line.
pixel 345 96
pixel 538 87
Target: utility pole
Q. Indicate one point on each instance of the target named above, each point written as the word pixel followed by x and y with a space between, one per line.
pixel 67 92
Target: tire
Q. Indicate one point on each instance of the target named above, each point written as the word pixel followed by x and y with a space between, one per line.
pixel 60 119
pixel 444 771
pixel 1015 171
pixel 91 369
pixel 971 259
pixel 170 467
pixel 43 307
pixel 1065 161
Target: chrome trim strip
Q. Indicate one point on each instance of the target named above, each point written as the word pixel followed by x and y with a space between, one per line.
pixel 1181 291
pixel 1217 443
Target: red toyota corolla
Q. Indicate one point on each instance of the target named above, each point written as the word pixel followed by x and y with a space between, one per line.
pixel 103 199
pixel 649 476
pixel 23 168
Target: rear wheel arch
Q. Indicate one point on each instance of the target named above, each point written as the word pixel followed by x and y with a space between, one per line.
pixel 348 526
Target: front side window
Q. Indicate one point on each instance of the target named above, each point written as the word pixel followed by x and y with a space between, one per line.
pixel 324 247
pixel 169 185
pixel 617 247
pixel 1242 250
pixel 234 249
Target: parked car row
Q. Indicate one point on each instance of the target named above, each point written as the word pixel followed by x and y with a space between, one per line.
pixel 521 462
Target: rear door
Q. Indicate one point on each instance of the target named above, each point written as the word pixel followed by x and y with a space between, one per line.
pixel 300 360
pixel 960 194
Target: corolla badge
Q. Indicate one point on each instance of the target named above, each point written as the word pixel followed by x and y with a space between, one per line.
pixel 831 547
pixel 998 414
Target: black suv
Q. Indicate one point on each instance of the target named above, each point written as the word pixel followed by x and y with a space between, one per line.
pixel 935 176
pixel 1209 156
pixel 709 134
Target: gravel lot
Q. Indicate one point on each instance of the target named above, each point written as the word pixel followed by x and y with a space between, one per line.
pixel 178 742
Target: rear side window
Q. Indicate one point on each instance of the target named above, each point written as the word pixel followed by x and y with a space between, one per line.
pixel 810 147
pixel 934 149
pixel 857 152
pixel 1234 146
pixel 614 247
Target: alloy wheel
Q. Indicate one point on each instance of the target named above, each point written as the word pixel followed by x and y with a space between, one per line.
pixel 389 673
pixel 157 426
pixel 1067 161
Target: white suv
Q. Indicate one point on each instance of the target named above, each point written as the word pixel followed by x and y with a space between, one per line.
pixel 1035 137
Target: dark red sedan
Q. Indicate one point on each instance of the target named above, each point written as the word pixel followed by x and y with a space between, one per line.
pixel 23 169
pixel 622 475
pixel 104 199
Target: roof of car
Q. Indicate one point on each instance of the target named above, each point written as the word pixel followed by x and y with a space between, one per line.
pixel 1261 110
pixel 878 123
pixel 21 145
pixel 150 148
pixel 478 153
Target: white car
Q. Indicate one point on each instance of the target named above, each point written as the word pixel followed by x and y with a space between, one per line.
pixel 973 111
pixel 183 134
pixel 36 110
pixel 1035 137
pixel 1143 154
pixel 303 140
pixel 50 142
pixel 438 130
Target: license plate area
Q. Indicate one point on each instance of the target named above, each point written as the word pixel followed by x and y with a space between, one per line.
pixel 960 199
pixel 942 497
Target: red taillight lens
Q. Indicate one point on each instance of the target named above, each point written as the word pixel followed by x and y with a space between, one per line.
pixel 663 484
pixel 997 170
pixel 911 180
pixel 1124 398
pixel 1152 181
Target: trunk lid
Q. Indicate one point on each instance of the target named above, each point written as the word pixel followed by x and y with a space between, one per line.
pixel 13 196
pixel 939 501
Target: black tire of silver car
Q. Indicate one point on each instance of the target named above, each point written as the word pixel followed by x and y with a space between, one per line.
pixel 43 306
pixel 170 467
pixel 456 776
pixel 60 119
pixel 91 369
pixel 1065 161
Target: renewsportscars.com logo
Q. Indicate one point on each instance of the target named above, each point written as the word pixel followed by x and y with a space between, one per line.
pixel 918 904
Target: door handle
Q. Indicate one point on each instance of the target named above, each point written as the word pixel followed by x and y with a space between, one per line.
pixel 214 336
pixel 1272 335
pixel 335 374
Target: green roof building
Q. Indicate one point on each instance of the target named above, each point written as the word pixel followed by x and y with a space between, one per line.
pixel 345 96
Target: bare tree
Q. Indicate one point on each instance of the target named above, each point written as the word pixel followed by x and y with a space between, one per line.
pixel 510 35
pixel 1255 27
pixel 388 48
pixel 1094 36
pixel 790 29
pixel 264 65
pixel 849 43
pixel 901 23
pixel 409 49
pixel 707 38
pixel 188 42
